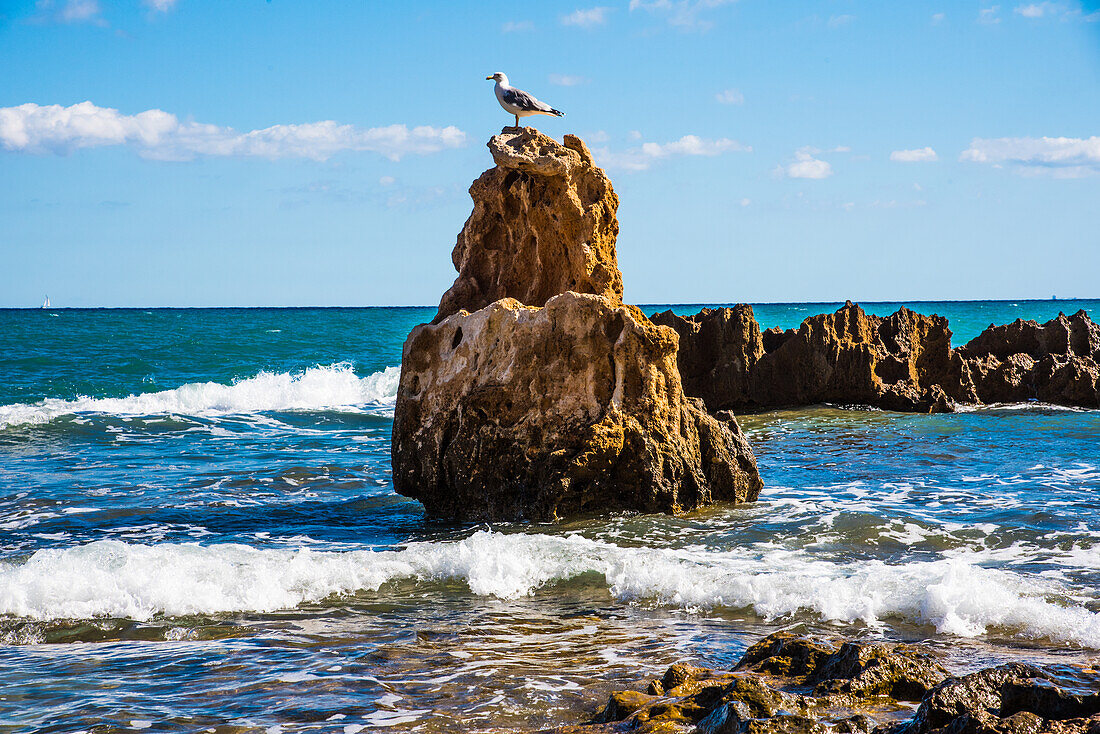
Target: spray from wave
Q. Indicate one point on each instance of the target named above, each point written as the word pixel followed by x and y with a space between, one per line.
pixel 955 595
pixel 331 387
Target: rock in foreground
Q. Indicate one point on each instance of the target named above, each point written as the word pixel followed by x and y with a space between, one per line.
pixel 516 412
pixel 787 684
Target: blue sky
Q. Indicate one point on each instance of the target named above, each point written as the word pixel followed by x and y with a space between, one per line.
pixel 191 152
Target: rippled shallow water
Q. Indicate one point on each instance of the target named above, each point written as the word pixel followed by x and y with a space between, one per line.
pixel 199 531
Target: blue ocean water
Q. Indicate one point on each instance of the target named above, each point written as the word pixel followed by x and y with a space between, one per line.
pixel 200 532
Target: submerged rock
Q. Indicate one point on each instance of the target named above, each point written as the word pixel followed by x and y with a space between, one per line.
pixel 543 224
pixel 857 688
pixel 537 413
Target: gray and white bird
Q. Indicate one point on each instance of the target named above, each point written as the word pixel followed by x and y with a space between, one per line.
pixel 518 102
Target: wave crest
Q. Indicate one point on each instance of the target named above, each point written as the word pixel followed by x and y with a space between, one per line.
pixel 955 595
pixel 317 388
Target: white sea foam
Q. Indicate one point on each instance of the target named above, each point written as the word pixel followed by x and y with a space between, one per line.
pixel 317 388
pixel 956 595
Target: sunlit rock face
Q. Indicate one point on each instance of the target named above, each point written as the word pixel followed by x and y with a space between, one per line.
pixel 535 393
pixel 543 224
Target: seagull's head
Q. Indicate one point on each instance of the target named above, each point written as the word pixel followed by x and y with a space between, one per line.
pixel 499 77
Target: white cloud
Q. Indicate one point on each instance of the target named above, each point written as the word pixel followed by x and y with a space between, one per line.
pixel 730 96
pixel 589 18
pixel 681 13
pixel 517 26
pixel 937 18
pixel 1070 11
pixel 837 21
pixel 70 11
pixel 635 135
pixel 567 80
pixel 988 16
pixel 387 181
pixel 159 135
pixel 806 166
pixel 643 156
pixel 1034 10
pixel 746 202
pixel 1067 157
pixel 162 6
pixel 916 155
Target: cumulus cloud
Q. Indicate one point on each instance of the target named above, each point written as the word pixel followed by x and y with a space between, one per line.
pixel 567 80
pixel 162 6
pixel 684 14
pixel 937 18
pixel 642 157
pixel 989 16
pixel 589 18
pixel 916 155
pixel 805 165
pixel 1068 157
pixel 159 135
pixel 730 96
pixel 837 21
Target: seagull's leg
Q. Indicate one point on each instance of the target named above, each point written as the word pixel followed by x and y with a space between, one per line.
pixel 517 120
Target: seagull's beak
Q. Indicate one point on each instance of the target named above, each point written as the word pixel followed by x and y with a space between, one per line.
pixel 488 78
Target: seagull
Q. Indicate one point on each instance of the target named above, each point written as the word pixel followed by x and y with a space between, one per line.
pixel 517 101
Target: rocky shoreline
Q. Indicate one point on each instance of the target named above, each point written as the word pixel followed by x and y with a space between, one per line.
pixel 790 684
pixel 902 362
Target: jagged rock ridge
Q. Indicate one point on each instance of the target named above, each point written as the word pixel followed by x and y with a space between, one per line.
pixel 901 362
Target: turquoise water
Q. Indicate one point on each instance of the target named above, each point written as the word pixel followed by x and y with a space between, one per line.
pixel 199 531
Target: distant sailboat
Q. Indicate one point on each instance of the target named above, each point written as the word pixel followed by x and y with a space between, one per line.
pixel 46 303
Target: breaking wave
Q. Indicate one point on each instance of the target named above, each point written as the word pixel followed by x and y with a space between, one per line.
pixel 956 595
pixel 317 388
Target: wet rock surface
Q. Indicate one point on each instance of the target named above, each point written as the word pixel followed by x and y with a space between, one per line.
pixel 538 413
pixel 788 684
pixel 535 394
pixel 902 362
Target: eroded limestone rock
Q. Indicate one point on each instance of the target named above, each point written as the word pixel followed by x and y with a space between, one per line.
pixel 518 412
pixel 543 223
pixel 902 362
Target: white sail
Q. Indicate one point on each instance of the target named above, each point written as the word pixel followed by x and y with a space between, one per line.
pixel 46 303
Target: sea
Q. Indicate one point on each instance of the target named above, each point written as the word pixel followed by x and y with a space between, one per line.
pixel 199 532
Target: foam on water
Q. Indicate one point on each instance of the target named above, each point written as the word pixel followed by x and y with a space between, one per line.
pixel 317 388
pixel 956 595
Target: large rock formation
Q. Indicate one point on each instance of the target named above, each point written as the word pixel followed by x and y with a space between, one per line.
pixel 538 413
pixel 535 394
pixel 543 224
pixel 901 362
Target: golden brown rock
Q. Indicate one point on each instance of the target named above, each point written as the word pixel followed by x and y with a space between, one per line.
pixel 844 357
pixel 543 224
pixel 519 412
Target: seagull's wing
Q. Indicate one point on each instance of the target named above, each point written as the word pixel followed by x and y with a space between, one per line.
pixel 524 101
